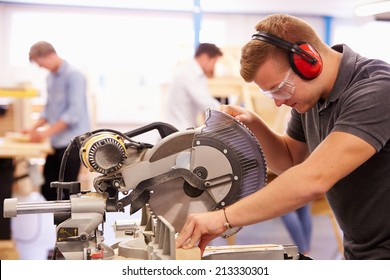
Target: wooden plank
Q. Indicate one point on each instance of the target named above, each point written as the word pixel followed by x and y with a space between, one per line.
pixel 188 254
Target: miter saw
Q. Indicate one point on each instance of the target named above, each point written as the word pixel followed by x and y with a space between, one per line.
pixel 195 170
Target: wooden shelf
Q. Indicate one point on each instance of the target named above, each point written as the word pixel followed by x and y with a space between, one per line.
pixel 18 92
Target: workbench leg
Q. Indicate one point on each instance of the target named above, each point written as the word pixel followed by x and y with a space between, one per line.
pixel 6 179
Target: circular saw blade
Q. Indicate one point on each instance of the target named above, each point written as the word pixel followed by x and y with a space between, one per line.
pixel 223 147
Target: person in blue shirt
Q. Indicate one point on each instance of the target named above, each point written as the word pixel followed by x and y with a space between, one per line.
pixel 65 114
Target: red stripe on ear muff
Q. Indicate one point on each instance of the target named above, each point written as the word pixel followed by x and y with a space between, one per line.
pixel 306 70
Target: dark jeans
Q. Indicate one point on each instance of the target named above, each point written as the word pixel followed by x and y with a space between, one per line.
pixel 51 172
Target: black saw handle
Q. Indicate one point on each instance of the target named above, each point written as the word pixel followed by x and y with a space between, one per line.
pixel 164 129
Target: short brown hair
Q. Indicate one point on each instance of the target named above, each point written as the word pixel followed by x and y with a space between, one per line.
pixel 40 49
pixel 287 27
pixel 210 49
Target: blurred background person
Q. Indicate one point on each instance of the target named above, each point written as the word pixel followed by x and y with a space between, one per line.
pixel 64 116
pixel 299 226
pixel 188 96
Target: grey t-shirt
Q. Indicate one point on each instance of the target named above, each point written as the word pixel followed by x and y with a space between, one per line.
pixel 359 104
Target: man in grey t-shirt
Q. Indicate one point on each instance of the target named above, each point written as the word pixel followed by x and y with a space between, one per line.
pixel 336 143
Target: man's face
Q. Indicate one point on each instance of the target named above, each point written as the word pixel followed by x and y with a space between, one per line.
pixel 46 62
pixel 286 87
pixel 209 66
pixel 41 62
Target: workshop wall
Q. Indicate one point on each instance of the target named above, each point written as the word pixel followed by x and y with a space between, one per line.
pixel 128 54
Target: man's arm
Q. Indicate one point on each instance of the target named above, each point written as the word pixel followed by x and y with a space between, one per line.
pixel 76 99
pixel 41 135
pixel 337 156
pixel 281 151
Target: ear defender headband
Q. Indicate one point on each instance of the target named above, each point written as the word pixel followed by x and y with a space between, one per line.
pixel 304 59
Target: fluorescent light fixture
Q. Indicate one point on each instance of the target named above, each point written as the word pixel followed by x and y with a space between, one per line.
pixel 373 8
pixel 185 5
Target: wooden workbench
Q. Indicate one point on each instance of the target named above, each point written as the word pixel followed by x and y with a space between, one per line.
pixel 10 149
pixel 16 118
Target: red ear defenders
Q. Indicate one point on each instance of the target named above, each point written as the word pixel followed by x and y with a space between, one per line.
pixel 304 59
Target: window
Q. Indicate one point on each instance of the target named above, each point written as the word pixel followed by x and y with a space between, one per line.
pixel 125 55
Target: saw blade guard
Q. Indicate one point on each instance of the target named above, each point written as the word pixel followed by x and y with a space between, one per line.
pixel 224 154
pixel 244 145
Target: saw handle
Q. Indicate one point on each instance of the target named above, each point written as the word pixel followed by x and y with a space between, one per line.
pixel 164 129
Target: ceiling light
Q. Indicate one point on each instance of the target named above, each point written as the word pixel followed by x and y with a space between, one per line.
pixel 373 8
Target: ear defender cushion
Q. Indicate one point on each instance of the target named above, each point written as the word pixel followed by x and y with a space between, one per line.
pixel 305 69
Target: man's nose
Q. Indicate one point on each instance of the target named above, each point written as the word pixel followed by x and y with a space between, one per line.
pixel 279 102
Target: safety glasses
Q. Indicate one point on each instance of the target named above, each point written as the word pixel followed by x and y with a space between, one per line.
pixel 284 90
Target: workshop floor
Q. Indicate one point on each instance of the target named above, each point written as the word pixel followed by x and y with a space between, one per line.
pixel 35 234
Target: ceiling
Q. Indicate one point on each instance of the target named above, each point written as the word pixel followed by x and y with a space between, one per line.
pixel 334 8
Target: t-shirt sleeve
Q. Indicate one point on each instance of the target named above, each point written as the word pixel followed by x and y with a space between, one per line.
pixel 367 115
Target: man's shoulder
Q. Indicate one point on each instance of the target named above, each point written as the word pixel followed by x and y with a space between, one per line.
pixel 72 71
pixel 185 72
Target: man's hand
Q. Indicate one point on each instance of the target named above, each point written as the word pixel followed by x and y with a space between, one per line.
pixel 201 229
pixel 38 136
pixel 243 115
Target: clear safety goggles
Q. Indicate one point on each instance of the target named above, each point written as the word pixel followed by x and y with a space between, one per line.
pixel 284 90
